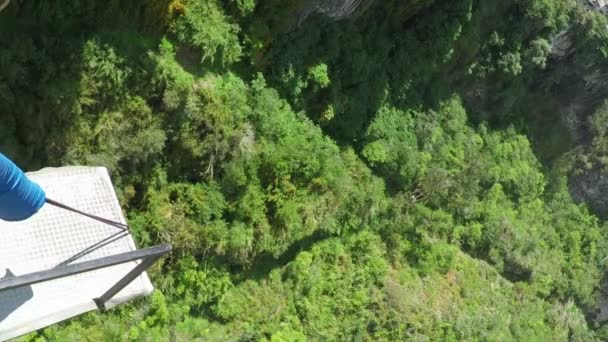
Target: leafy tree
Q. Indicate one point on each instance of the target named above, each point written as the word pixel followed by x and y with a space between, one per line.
pixel 205 26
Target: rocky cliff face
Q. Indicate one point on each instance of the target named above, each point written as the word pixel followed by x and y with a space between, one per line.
pixel 563 95
pixel 334 9
pixel 581 85
pixel 591 187
pixel 582 89
pixel 340 9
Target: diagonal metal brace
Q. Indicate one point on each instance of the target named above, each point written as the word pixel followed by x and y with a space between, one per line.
pixel 125 281
pixel 148 255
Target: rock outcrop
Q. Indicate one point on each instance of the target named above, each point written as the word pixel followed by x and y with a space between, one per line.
pixel 334 9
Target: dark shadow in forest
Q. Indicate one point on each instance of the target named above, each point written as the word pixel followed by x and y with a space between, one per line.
pixel 42 45
pixel 190 59
pixel 265 263
pixel 310 45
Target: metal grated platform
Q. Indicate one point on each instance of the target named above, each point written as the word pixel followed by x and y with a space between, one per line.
pixel 56 237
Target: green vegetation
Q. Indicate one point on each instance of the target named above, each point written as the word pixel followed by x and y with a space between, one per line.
pixel 389 176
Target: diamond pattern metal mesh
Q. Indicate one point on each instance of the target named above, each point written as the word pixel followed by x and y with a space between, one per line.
pixel 56 237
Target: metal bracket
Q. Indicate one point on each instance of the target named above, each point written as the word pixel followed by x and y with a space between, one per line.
pixel 148 256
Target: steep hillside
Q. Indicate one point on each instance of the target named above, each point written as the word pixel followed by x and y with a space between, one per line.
pixel 330 170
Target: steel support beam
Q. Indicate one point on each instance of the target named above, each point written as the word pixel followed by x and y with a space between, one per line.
pixel 149 256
